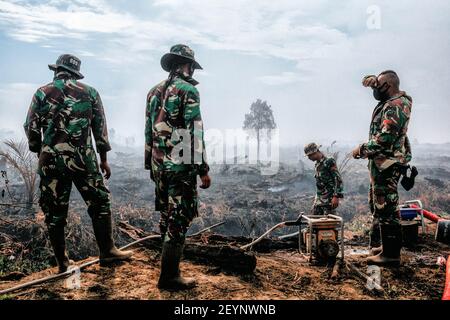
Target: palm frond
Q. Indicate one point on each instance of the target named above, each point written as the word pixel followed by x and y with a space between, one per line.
pixel 24 161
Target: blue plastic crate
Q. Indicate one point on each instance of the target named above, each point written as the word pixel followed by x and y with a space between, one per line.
pixel 408 213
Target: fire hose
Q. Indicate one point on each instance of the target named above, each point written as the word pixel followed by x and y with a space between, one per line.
pixel 446 295
pixel 69 272
pixel 279 225
pixel 427 214
pixel 443 225
pixel 436 219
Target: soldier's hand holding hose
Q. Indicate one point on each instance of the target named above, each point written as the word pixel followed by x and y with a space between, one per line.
pixel 206 181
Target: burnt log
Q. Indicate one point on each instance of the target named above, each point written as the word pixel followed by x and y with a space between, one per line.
pixel 200 250
pixel 264 246
pixel 226 257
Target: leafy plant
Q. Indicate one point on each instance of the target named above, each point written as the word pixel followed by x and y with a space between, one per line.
pixel 24 161
pixel 343 164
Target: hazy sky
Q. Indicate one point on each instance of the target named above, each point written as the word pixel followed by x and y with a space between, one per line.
pixel 306 58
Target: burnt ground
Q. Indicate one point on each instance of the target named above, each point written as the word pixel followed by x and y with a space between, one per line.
pixel 283 274
pixel 250 204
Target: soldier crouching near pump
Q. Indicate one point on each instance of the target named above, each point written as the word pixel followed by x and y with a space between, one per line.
pixel 174 130
pixel 329 183
pixel 388 151
pixel 60 120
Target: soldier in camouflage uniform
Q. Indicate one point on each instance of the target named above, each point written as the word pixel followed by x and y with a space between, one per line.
pixel 388 150
pixel 175 156
pixel 61 119
pixel 328 181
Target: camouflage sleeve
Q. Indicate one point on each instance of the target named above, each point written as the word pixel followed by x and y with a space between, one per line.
pixel 151 101
pixel 194 124
pixel 391 123
pixel 99 128
pixel 338 183
pixel 32 124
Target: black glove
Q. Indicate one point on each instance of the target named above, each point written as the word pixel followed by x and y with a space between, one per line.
pixel 408 182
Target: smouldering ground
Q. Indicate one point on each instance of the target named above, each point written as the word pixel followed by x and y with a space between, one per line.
pixel 279 275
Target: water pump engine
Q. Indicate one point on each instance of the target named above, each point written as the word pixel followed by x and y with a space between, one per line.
pixel 321 236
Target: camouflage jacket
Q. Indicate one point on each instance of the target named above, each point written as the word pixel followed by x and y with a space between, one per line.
pixel 59 123
pixel 388 141
pixel 328 181
pixel 173 127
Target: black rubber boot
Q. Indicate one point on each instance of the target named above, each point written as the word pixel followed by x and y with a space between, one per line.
pixel 375 234
pixel 391 237
pixel 58 241
pixel 103 233
pixel 170 278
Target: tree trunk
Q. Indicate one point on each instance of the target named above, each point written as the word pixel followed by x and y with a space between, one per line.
pixel 257 148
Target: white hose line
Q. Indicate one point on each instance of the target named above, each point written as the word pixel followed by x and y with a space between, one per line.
pixel 89 263
pixel 288 235
pixel 281 224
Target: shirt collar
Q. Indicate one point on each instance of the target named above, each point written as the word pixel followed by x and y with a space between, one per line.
pixel 321 160
pixel 63 75
pixel 186 77
pixel 398 95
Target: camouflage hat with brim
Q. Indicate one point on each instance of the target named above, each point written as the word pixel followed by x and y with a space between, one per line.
pixel 311 148
pixel 179 54
pixel 68 62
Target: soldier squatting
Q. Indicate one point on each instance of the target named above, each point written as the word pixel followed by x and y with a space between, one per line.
pixel 65 114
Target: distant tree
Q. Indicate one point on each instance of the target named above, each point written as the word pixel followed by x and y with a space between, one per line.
pixel 260 118
pixel 112 134
pixel 24 161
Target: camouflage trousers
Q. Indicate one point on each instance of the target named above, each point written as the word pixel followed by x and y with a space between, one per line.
pixel 383 199
pixel 322 209
pixel 177 201
pixel 55 195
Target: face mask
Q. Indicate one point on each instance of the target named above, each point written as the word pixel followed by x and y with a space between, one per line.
pixel 381 93
pixel 191 69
